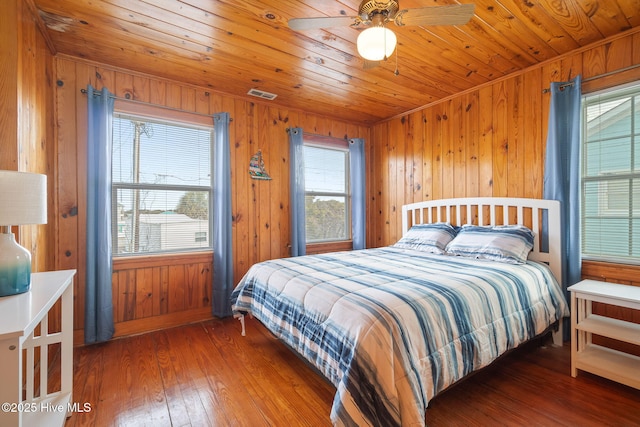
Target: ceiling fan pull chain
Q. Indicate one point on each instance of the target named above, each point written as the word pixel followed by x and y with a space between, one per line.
pixel 384 38
pixel 397 72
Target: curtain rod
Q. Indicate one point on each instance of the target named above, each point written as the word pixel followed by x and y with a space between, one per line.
pixel 599 76
pixel 84 91
pixel 346 138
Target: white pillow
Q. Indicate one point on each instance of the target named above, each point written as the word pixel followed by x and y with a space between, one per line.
pixel 432 238
pixel 504 243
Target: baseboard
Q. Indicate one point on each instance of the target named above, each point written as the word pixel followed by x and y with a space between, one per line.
pixel 149 324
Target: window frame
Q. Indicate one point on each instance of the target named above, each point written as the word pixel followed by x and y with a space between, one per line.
pixel 162 115
pixel 335 144
pixel 603 180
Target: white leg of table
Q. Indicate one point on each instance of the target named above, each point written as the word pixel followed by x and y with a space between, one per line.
pixel 66 346
pixel 574 334
pixel 11 380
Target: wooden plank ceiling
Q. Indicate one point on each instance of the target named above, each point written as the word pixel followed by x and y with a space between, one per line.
pixel 233 46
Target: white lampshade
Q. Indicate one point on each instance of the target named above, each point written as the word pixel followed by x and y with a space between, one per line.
pixel 376 43
pixel 23 198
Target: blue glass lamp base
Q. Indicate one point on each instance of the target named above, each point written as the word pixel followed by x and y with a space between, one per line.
pixel 15 266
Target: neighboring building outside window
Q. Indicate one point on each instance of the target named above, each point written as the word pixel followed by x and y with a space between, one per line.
pixel 327 197
pixel 162 185
pixel 611 175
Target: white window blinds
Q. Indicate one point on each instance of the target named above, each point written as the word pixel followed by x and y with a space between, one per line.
pixel 611 175
pixel 327 203
pixel 161 185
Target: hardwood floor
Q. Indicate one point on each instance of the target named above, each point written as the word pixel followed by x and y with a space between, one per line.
pixel 208 374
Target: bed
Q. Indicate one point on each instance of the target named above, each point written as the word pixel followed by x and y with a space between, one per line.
pixel 392 327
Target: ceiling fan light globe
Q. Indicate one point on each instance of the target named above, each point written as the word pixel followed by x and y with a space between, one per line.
pixel 376 43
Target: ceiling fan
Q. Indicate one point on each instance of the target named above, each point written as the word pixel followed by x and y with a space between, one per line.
pixel 377 42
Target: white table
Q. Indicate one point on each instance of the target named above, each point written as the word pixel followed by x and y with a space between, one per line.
pixel 19 317
pixel 603 361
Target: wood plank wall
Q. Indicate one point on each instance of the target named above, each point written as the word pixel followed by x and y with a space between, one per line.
pixel 155 292
pixel 26 119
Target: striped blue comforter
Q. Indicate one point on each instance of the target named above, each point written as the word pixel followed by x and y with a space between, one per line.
pixel 390 327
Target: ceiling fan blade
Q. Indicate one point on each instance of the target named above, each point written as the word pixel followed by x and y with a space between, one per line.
pixel 321 22
pixel 455 14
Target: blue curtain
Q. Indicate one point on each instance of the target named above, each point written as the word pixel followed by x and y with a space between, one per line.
pixel 562 170
pixel 221 208
pixel 296 154
pixel 98 309
pixel 358 203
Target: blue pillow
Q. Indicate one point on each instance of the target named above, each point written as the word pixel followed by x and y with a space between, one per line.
pixel 432 238
pixel 504 243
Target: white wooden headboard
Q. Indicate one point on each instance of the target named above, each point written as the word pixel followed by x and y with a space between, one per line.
pixel 496 211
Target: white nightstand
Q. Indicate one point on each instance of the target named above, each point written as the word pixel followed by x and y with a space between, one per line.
pixel 605 362
pixel 22 342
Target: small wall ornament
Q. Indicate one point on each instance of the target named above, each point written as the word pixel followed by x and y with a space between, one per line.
pixel 256 167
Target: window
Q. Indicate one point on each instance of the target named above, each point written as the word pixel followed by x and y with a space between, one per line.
pixel 327 212
pixel 611 175
pixel 162 185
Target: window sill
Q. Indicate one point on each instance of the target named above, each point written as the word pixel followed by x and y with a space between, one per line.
pixel 158 260
pixel 324 247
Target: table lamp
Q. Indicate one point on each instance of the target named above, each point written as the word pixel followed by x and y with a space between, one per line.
pixel 23 200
